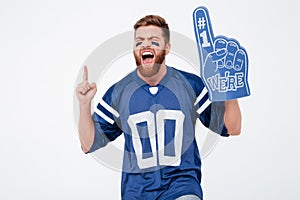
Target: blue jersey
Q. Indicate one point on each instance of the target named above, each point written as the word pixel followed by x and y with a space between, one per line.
pixel 161 158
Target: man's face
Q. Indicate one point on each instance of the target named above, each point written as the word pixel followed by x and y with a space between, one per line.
pixel 149 50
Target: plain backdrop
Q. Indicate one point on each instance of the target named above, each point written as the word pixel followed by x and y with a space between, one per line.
pixel 43 45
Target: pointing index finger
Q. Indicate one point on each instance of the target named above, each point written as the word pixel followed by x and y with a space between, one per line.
pixel 85 73
pixel 203 31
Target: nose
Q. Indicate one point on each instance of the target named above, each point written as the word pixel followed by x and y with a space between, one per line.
pixel 146 43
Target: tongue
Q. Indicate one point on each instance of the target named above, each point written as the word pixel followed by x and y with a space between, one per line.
pixel 148 60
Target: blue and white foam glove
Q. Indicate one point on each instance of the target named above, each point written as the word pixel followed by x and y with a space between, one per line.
pixel 223 62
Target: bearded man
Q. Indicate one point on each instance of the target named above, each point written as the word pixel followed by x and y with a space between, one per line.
pixel 155 107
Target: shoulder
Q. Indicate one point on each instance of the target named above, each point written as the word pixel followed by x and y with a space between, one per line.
pixel 194 80
pixel 118 87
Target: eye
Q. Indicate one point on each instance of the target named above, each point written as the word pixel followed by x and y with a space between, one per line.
pixel 155 43
pixel 138 44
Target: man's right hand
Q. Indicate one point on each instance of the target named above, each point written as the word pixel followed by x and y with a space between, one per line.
pixel 85 91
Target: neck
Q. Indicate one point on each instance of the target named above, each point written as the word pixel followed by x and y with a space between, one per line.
pixel 155 79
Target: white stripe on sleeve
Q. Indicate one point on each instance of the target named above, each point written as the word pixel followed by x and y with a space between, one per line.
pixel 203 106
pixel 106 118
pixel 201 95
pixel 109 108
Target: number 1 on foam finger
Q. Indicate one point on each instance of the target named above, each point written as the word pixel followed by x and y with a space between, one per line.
pixel 205 43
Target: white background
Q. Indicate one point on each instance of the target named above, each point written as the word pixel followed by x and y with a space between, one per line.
pixel 43 45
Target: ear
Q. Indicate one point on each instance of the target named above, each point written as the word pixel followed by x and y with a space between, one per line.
pixel 167 48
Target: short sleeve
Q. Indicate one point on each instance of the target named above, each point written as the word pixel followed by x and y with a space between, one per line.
pixel 105 126
pixel 213 118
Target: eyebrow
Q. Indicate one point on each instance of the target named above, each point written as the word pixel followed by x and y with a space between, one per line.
pixel 150 38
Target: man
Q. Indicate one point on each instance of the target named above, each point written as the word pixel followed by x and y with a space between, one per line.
pixel 155 107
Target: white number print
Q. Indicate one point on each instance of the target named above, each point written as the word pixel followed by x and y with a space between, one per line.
pixel 205 40
pixel 156 124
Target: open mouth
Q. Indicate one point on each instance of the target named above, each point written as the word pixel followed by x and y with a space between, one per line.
pixel 147 57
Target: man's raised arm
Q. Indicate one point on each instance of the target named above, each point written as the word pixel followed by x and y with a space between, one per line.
pixel 85 93
pixel 233 117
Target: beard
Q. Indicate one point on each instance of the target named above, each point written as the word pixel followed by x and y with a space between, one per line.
pixel 151 69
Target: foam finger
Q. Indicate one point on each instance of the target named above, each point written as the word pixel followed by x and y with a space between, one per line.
pixel 232 48
pixel 203 31
pixel 220 43
pixel 240 60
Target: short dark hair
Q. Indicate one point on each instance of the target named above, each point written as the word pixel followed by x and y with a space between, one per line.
pixel 154 20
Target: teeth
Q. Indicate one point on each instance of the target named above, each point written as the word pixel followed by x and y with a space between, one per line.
pixel 147 53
